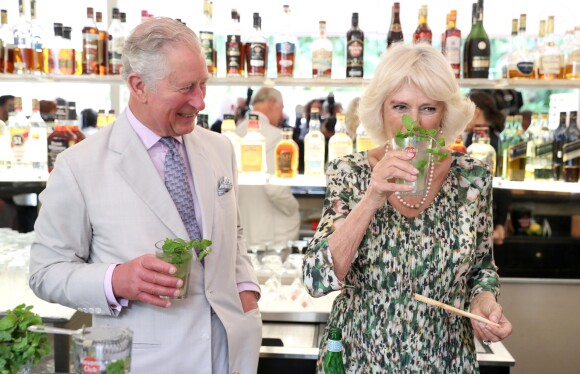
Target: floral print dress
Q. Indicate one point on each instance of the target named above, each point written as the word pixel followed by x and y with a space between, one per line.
pixel 445 253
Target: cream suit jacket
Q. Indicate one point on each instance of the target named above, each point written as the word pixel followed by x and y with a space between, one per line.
pixel 105 203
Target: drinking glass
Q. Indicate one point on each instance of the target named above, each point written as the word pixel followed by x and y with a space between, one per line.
pixel 417 146
pixel 182 262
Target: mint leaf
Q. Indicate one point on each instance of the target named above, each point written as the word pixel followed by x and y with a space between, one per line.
pixel 414 129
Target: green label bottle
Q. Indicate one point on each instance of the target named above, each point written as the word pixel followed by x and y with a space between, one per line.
pixel 333 360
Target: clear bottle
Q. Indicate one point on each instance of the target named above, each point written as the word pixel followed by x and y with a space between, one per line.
pixel 286 46
pixel 23 54
pixel 504 143
pixel 452 45
pixel 5 149
pixel 101 119
pixel 504 61
pixel 551 64
pixel 543 153
pixel 6 44
pixel 206 37
pixel 51 49
pixel 423 32
pixel 571 149
pixel 322 53
pixel 521 62
pixel 37 143
pixel 286 155
pixel 253 148
pixel 531 135
pixel 481 148
pixel 517 152
pixel 103 51
pixel 477 51
pixel 339 144
pixel 19 134
pixel 355 46
pixel 363 140
pixel 333 363
pixel 234 48
pixel 573 57
pixel 395 34
pixel 90 45
pixel 115 44
pixel 111 117
pixel 314 147
pixel 229 131
pixel 37 37
pixel 66 53
pixel 256 51
pixel 559 141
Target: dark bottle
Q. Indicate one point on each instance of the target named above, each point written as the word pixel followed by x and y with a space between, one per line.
pixel 73 123
pixel 234 48
pixel 423 33
pixel 571 149
pixel 395 34
pixel 206 37
pixel 203 120
pixel 333 363
pixel 559 141
pixel 90 45
pixel 61 138
pixel 355 46
pixel 477 51
pixel 256 51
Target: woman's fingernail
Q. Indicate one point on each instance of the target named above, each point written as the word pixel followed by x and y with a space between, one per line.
pixel 179 283
pixel 482 325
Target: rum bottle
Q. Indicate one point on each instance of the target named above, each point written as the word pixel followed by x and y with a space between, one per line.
pixel 37 142
pixel 477 51
pixel 314 147
pixel 36 40
pixel 67 63
pixel 286 47
pixel 322 53
pixel 234 48
pixel 61 138
pixel 355 46
pixel 551 64
pixel 340 144
pixel 506 59
pixel 395 34
pixel 19 127
pixel 423 32
pixel 206 37
pixel 115 44
pixel 90 45
pixel 253 148
pixel 51 50
pixel 73 123
pixel 23 54
pixel 102 47
pixel 256 51
pixel 6 45
pixel 333 363
pixel 286 155
pixel 452 45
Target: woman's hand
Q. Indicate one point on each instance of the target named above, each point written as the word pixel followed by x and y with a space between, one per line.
pixel 393 165
pixel 485 305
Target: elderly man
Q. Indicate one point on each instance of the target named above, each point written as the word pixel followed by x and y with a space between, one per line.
pixel 118 188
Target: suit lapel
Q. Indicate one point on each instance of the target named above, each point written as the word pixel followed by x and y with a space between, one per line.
pixel 138 171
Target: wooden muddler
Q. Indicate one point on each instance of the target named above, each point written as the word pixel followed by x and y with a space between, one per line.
pixel 463 313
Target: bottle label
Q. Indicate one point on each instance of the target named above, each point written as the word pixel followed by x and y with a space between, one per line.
pixel 18 139
pixel 480 63
pixel 234 54
pixel 55 147
pixel 571 151
pixel 334 346
pixel 518 151
pixel 396 27
pixel 285 162
pixel 322 60
pixel 251 158
pixel 545 149
pixel 354 53
pixel 37 145
pixel 550 64
pixel 453 49
pixel 286 52
pixel 206 38
pixel 90 47
pixel 116 52
pixel 257 55
pixel 525 68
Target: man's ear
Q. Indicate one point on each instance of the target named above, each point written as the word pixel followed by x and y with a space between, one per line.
pixel 138 87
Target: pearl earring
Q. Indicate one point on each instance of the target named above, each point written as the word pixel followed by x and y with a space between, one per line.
pixel 440 131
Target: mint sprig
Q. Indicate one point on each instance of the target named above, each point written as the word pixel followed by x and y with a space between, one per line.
pixel 177 250
pixel 412 128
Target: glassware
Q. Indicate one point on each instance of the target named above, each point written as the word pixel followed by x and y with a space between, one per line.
pixel 421 161
pixel 102 349
pixel 182 263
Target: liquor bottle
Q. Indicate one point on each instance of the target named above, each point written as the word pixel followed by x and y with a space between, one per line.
pixel 504 61
pixel 229 130
pixel 111 117
pixel 61 138
pixel 333 363
pixel 355 46
pixel 551 64
pixel 423 32
pixel 206 37
pixel 477 51
pixel 340 144
pixel 481 150
pixel 202 120
pixel 505 138
pixel 544 148
pixel 559 141
pixel 234 48
pixel 6 44
pixel 452 44
pixel 363 140
pixel 256 51
pixel 90 45
pixel 572 70
pixel 115 44
pixel 102 48
pixel 286 47
pixel 286 155
pixel 517 152
pixel 19 127
pixel 101 119
pixel 50 51
pixel 531 135
pixel 521 62
pixel 5 149
pixel 253 148
pixel 322 53
pixel 23 56
pixel 77 46
pixel 37 142
pixel 73 122
pixel 458 145
pixel 314 147
pixel 571 150
pixel 395 34
pixel 37 37
pixel 447 19
pixel 67 63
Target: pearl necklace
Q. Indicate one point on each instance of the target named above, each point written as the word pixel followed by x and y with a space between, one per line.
pixel 429 182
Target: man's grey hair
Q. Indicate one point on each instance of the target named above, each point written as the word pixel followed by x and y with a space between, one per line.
pixel 148 44
pixel 266 94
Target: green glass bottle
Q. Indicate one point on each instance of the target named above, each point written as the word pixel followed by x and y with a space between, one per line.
pixel 477 52
pixel 333 360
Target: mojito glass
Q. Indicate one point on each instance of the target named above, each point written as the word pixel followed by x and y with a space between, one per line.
pixel 417 146
pixel 182 261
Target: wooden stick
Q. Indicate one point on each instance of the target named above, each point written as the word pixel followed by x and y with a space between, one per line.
pixel 463 313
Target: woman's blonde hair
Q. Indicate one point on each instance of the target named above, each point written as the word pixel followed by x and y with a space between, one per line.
pixel 425 67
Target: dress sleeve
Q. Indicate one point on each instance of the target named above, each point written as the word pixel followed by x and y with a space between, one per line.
pixel 483 274
pixel 318 269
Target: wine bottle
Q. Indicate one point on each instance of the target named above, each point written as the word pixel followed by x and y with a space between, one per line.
pixel 477 51
pixel 395 34
pixel 333 360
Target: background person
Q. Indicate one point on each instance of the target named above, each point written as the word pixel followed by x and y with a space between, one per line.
pixel 97 254
pixel 380 248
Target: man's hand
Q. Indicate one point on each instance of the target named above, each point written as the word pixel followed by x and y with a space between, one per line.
pixel 499 234
pixel 145 279
pixel 249 300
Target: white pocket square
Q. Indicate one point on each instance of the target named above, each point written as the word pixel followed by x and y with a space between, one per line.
pixel 224 186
